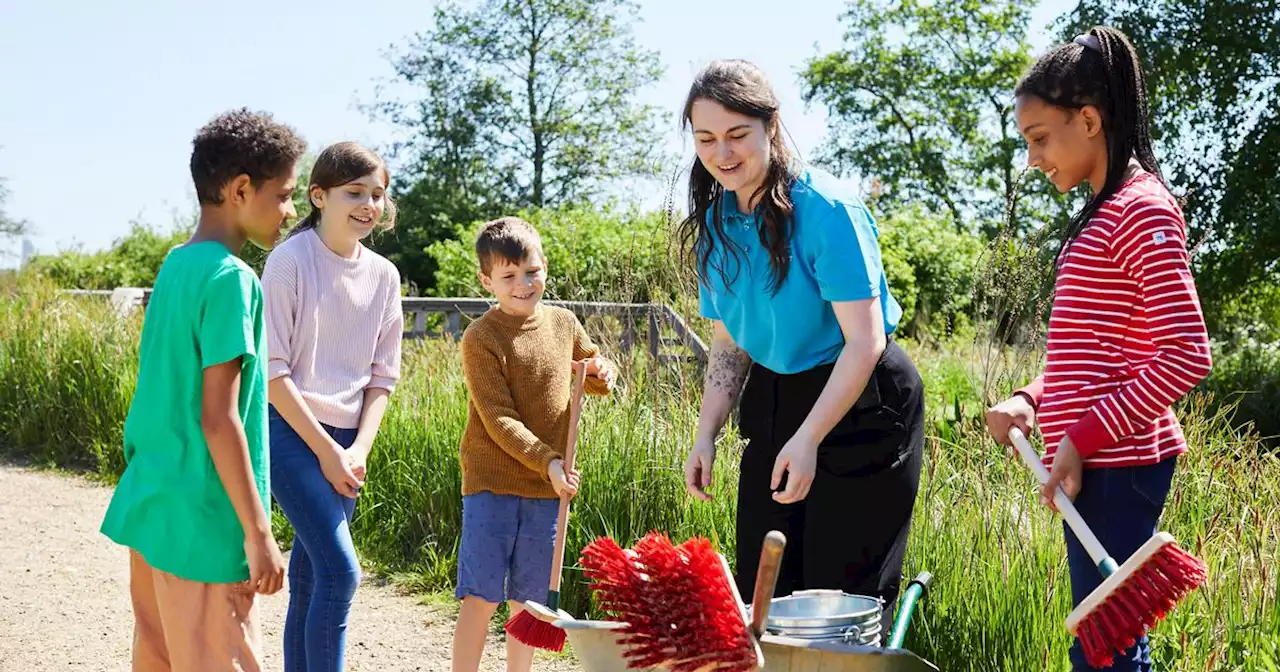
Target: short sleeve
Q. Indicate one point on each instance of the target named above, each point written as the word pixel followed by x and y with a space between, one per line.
pixel 706 305
pixel 847 261
pixel 227 318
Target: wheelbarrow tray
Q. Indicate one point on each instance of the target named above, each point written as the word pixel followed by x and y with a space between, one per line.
pixel 596 646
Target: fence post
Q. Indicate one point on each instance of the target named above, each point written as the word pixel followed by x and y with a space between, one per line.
pixel 453 324
pixel 655 335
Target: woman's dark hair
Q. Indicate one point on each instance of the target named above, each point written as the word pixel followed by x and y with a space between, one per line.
pixel 1102 69
pixel 340 164
pixel 741 87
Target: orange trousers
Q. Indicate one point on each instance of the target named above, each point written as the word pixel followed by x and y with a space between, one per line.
pixel 186 625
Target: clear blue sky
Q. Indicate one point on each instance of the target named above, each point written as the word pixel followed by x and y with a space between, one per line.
pixel 101 98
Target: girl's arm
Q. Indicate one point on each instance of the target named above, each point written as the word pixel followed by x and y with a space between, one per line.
pixel 383 376
pixel 280 295
pixel 863 326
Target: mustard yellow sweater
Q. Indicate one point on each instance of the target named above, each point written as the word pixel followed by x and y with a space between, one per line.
pixel 519 376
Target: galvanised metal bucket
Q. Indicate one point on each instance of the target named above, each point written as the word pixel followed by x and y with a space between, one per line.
pixel 827 615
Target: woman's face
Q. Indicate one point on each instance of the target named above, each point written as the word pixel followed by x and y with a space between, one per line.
pixel 733 147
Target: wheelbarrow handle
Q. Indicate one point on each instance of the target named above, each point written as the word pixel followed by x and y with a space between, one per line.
pixel 915 592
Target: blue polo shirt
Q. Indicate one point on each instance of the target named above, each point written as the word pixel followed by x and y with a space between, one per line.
pixel 835 256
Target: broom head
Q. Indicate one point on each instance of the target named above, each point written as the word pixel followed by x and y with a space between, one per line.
pixel 1129 602
pixel 533 626
pixel 681 607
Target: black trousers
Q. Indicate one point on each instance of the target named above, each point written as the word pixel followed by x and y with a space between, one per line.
pixel 850 532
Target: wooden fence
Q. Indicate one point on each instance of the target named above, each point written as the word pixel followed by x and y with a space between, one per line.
pixel 663 327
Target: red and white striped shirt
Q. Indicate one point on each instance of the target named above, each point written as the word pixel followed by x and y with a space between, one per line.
pixel 1126 334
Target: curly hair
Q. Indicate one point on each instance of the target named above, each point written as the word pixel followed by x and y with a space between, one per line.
pixel 241 142
pixel 1100 68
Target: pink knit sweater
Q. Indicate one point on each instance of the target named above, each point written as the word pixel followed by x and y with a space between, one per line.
pixel 333 325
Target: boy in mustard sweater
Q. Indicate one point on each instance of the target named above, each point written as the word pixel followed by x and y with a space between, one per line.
pixel 517 359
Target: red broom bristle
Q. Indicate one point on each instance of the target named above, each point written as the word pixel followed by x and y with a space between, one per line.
pixel 678 605
pixel 1146 597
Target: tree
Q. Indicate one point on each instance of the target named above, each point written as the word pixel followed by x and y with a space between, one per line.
pixel 921 102
pixel 1213 79
pixel 9 226
pixel 517 103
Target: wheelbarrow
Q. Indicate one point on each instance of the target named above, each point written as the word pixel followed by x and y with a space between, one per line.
pixel 810 631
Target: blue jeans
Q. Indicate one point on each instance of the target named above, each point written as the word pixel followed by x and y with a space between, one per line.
pixel 1122 506
pixel 323 569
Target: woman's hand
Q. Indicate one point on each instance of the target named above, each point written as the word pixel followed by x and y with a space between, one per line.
pixel 798 459
pixel 697 468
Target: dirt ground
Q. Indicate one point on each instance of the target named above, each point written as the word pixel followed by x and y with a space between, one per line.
pixel 65 598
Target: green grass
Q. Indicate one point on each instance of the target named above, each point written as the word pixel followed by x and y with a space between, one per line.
pixel 1001 589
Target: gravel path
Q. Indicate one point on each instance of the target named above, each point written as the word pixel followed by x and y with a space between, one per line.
pixel 65 598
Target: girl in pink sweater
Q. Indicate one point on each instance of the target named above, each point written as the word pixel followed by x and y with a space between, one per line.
pixel 334 325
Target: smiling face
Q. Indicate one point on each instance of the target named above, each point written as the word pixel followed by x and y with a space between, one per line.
pixel 1067 145
pixel 733 147
pixel 352 210
pixel 517 286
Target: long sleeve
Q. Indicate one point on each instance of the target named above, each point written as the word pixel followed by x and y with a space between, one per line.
pixel 496 407
pixel 1150 245
pixel 585 348
pixel 386 354
pixel 280 295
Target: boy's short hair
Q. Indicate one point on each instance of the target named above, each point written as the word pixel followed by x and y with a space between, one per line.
pixel 241 142
pixel 508 238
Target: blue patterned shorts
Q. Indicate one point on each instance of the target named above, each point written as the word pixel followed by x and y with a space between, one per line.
pixel 506 549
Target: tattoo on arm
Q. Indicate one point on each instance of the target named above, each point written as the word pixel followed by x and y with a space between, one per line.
pixel 728 370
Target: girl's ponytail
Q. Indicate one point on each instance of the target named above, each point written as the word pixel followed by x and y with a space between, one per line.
pixel 308 222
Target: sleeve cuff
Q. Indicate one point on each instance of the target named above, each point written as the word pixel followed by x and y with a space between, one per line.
pixel 545 462
pixel 1034 391
pixel 595 386
pixel 1089 435
pixel 277 368
pixel 382 382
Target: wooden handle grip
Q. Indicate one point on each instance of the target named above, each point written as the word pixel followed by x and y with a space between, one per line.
pixel 570 454
pixel 766 580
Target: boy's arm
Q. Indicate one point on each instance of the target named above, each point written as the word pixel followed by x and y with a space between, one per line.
pixel 229 447
pixel 228 315
pixel 584 348
pixel 496 407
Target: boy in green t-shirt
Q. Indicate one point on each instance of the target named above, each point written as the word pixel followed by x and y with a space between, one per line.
pixel 192 503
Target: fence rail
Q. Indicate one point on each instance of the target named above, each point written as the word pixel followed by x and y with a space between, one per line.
pixel 656 319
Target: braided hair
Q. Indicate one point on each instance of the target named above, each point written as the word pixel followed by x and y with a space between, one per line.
pixel 1099 68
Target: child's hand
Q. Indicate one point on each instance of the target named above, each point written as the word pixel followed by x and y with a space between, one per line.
pixel 1015 411
pixel 335 466
pixel 1067 470
pixel 602 369
pixel 357 461
pixel 266 564
pixel 566 485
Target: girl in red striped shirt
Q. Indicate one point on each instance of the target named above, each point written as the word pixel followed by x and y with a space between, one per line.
pixel 1126 334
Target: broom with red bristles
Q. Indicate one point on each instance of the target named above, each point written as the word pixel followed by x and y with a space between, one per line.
pixel 533 625
pixel 1133 596
pixel 681 607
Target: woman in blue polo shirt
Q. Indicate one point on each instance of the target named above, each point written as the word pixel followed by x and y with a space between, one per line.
pixel 789 271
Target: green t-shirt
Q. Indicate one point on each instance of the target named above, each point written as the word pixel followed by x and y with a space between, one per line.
pixel 205 309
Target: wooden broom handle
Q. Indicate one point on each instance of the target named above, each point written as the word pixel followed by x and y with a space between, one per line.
pixel 562 518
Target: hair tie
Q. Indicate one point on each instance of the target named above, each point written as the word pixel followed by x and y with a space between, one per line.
pixel 1089 42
